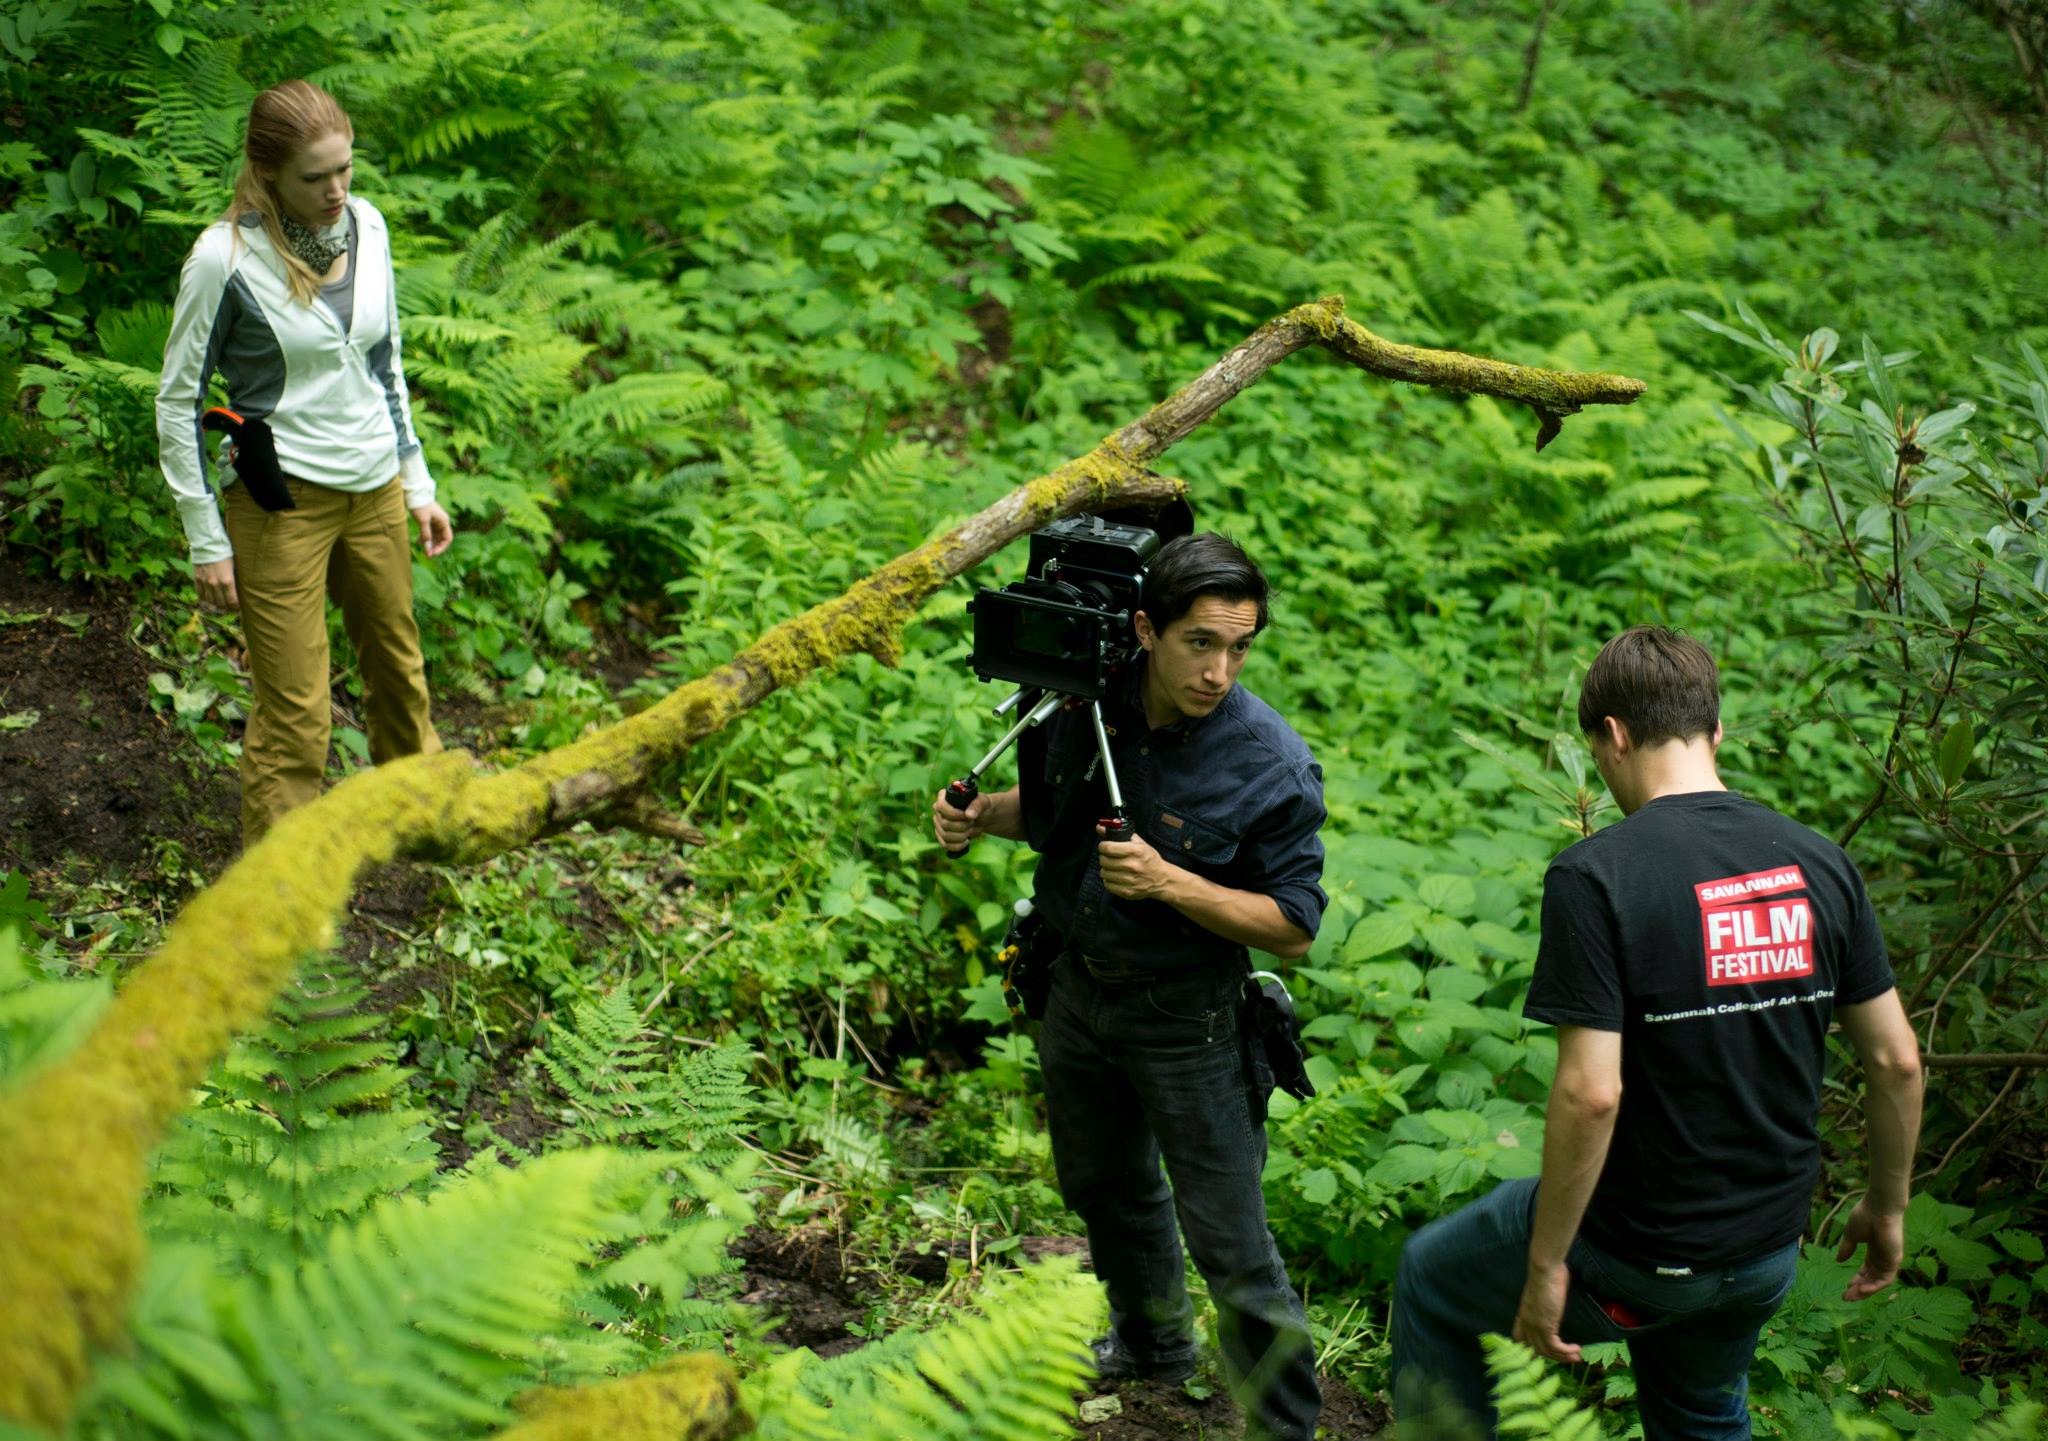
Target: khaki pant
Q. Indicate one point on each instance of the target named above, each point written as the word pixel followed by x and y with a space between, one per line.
pixel 353 546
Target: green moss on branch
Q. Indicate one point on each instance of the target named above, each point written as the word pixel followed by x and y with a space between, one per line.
pixel 75 1140
pixel 687 1398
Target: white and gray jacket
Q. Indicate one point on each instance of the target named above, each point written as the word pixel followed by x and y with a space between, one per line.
pixel 335 399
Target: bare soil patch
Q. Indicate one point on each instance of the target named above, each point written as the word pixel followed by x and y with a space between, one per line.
pixel 88 768
pixel 1152 1412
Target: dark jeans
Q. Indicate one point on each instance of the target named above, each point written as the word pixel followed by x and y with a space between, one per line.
pixel 1463 1275
pixel 1137 1073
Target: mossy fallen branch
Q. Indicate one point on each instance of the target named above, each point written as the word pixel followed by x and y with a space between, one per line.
pixel 686 1398
pixel 74 1140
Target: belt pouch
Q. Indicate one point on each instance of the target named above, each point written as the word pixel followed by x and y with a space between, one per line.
pixel 254 456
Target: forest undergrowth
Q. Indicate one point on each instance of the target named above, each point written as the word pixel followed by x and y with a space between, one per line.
pixel 711 309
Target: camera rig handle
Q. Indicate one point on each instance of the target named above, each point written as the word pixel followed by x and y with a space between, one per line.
pixel 1116 826
pixel 960 794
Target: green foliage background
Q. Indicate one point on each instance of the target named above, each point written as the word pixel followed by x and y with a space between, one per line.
pixel 710 308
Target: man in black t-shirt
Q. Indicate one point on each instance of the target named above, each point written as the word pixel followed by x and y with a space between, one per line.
pixel 1692 958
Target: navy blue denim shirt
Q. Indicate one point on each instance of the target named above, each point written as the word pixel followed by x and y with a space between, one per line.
pixel 1233 796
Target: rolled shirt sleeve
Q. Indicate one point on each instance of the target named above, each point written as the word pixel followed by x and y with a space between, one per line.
pixel 202 311
pixel 1284 851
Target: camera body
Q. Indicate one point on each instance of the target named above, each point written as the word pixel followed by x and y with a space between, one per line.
pixel 1066 626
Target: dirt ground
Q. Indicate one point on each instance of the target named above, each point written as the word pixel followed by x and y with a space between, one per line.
pixel 88 769
pixel 90 772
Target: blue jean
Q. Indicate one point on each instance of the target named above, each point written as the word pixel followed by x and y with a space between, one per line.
pixel 1463 1275
pixel 1134 1074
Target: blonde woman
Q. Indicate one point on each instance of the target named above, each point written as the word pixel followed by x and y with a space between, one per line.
pixel 291 297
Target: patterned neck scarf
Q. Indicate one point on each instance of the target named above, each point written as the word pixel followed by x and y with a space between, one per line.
pixel 317 248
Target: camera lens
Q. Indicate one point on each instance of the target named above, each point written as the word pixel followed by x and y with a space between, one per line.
pixel 1039 633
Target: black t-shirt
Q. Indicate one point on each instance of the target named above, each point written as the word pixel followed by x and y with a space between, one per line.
pixel 1717 936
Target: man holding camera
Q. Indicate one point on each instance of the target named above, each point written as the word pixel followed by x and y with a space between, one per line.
pixel 1142 1049
pixel 1692 957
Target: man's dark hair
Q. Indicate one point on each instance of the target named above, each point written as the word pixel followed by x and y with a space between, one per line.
pixel 1193 566
pixel 1662 685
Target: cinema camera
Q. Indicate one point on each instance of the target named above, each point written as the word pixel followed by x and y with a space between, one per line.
pixel 1062 633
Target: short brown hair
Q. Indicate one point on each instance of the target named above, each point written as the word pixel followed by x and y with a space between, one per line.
pixel 1662 685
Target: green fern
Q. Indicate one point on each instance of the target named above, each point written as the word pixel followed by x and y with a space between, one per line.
pixel 2023 1421
pixel 1008 1370
pixel 447 134
pixel 135 336
pixel 422 1318
pixel 1528 1395
pixel 295 1131
pixel 632 402
pixel 609 1067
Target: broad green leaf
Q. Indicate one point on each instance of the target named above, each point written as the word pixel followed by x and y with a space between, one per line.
pixel 1426 1036
pixel 1403 1165
pixel 1507 944
pixel 1728 332
pixel 1322 1073
pixel 1450 940
pixel 1452 895
pixel 1462 1127
pixel 1376 934
pixel 2020 1245
pixel 1448 983
pixel 1459 1171
pixel 1318 1187
pixel 881 909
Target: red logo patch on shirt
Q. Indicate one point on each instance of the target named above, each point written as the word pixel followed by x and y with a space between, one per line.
pixel 1754 931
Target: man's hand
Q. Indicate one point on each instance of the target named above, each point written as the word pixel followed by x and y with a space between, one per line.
pixel 216 582
pixel 1885 1234
pixel 1132 870
pixel 958 830
pixel 436 531
pixel 1541 1314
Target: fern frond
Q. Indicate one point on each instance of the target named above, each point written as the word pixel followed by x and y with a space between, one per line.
pixel 422 1318
pixel 2022 1421
pixel 850 1146
pixel 609 1068
pixel 889 61
pixel 454 330
pixel 294 1134
pixel 488 245
pixel 450 133
pixel 1645 495
pixel 1093 165
pixel 1011 1370
pixel 631 402
pixel 134 335
pixel 1526 1391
